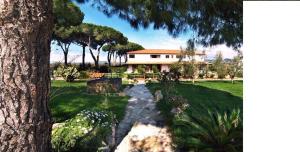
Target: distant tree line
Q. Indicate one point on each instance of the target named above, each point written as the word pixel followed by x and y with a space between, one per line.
pixel 69 29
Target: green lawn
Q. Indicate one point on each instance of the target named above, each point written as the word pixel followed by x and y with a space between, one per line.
pixel 211 94
pixel 201 96
pixel 67 99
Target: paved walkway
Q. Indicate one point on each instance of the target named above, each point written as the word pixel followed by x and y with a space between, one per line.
pixel 142 128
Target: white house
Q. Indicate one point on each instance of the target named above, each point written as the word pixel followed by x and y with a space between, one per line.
pixel 159 57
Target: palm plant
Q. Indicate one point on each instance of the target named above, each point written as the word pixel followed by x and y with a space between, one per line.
pixel 215 132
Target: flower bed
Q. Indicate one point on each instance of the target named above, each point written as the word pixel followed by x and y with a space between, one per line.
pixel 87 131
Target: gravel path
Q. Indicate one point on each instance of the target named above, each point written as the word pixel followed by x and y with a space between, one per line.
pixel 142 128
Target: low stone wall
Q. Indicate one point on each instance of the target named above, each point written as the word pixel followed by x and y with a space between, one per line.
pixel 104 85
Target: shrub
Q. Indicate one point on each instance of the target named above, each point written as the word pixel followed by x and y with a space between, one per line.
pixel 155 69
pixel 130 76
pixel 120 69
pixel 178 103
pixel 84 75
pixel 87 131
pixel 55 65
pixel 189 70
pixel 240 74
pixel 221 71
pixel 167 84
pixel 214 132
pixel 135 81
pixel 69 73
pixel 175 71
pixel 141 69
pixel 104 69
pixel 201 75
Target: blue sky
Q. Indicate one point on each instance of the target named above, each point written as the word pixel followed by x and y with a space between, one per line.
pixel 148 38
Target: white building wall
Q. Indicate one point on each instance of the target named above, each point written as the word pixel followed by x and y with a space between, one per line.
pixel 129 69
pixel 163 61
pixel 144 58
pixel 165 67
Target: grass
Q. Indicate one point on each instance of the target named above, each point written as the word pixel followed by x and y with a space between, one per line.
pixel 211 94
pixel 68 99
pixel 201 96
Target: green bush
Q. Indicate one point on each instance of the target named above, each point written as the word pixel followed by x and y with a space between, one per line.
pixel 201 75
pixel 221 71
pixel 84 75
pixel 87 131
pixel 120 69
pixel 151 75
pixel 213 132
pixel 141 69
pixel 189 70
pixel 155 69
pixel 130 76
pixel 175 71
pixel 55 65
pixel 240 74
pixel 69 73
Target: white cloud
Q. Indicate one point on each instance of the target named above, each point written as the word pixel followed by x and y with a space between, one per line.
pixel 226 51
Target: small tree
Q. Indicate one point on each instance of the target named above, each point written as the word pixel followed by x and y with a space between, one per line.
pixel 188 70
pixel 155 69
pixel 142 70
pixel 190 67
pixel 175 71
pixel 235 67
pixel 119 50
pixel 220 66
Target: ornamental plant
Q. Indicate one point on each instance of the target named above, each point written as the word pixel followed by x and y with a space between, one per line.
pixel 79 133
pixel 69 73
pixel 216 131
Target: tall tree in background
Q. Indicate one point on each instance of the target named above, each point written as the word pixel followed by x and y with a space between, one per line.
pixel 66 15
pixel 106 35
pixel 212 21
pixel 64 38
pixel 25 37
pixel 120 50
pixel 83 36
pixel 96 36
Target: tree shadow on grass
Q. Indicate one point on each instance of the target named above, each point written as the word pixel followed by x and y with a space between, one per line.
pixel 201 99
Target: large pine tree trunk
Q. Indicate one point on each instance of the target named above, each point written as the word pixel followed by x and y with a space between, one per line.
pixel 25 35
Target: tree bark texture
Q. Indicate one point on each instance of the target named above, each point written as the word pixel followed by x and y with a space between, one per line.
pixel 25 35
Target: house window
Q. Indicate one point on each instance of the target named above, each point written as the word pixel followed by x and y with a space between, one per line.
pixel 155 56
pixel 167 56
pixel 131 56
pixel 171 56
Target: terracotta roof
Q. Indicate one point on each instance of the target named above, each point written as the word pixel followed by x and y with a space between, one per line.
pixel 159 51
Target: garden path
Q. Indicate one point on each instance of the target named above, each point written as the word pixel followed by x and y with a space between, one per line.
pixel 142 128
